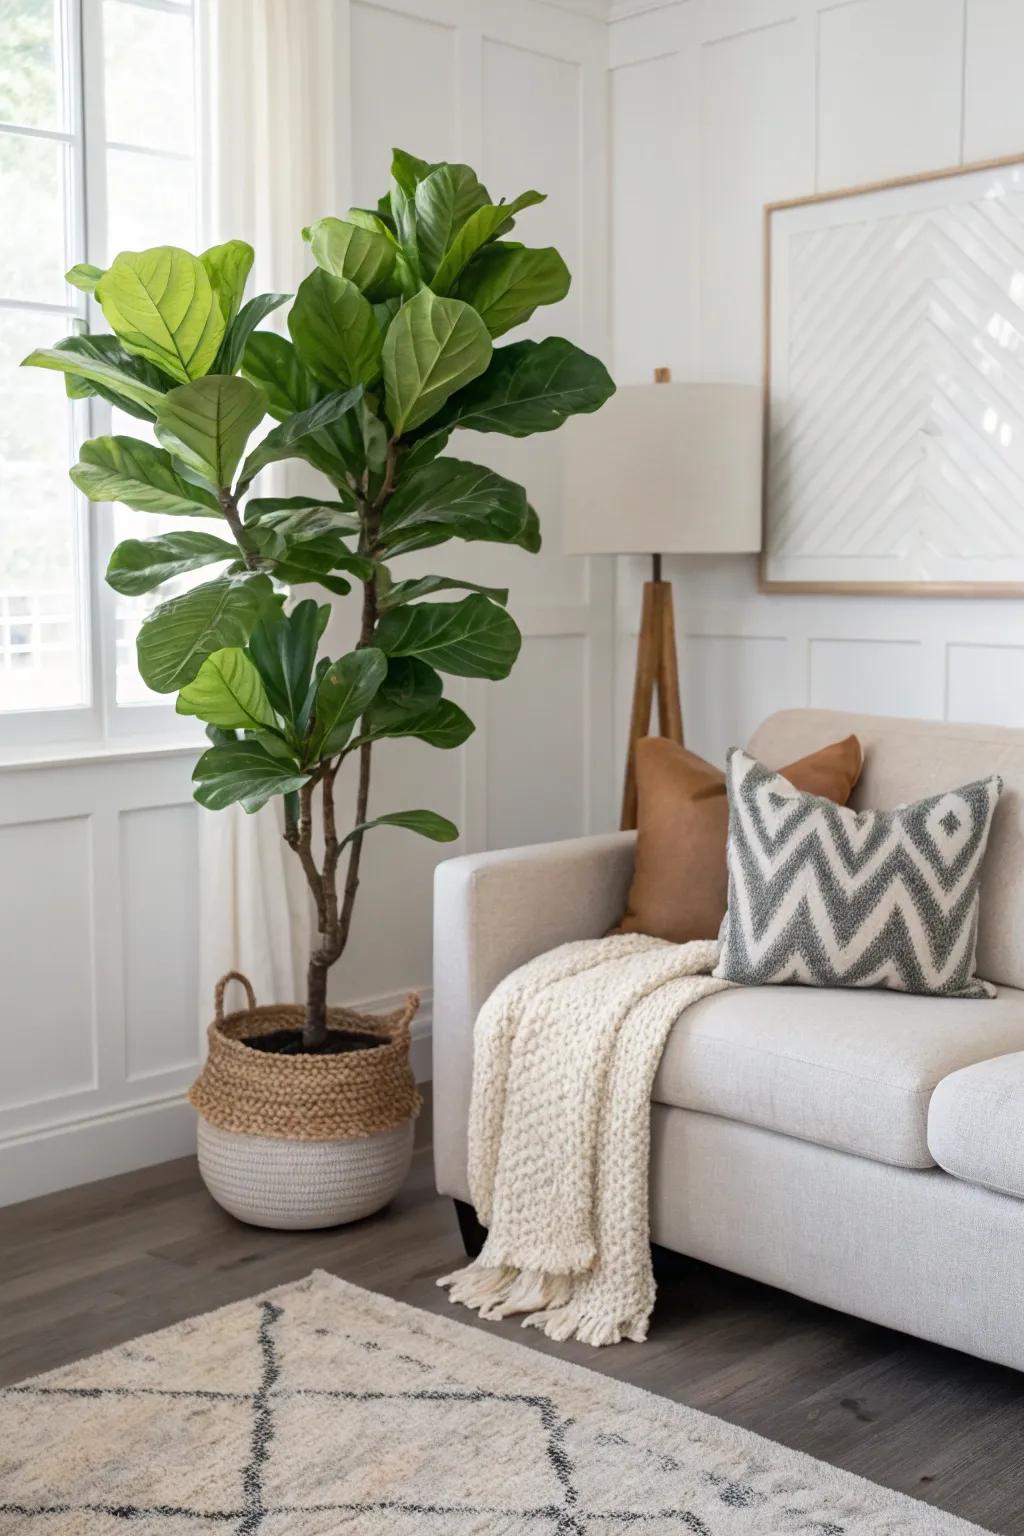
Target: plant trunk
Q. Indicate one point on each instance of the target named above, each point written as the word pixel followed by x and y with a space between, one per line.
pixel 335 918
pixel 314 1030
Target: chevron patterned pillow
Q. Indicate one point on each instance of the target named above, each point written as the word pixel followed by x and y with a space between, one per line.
pixel 826 896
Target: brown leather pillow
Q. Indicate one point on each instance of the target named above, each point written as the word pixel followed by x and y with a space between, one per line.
pixel 680 883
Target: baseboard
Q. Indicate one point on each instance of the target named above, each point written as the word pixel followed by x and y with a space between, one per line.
pixel 121 1140
pixel 116 1141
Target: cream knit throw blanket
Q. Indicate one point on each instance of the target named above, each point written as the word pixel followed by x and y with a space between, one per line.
pixel 565 1052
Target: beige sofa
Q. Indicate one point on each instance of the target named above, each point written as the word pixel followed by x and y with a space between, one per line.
pixel 864 1149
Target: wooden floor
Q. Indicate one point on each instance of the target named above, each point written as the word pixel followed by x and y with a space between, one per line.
pixel 94 1266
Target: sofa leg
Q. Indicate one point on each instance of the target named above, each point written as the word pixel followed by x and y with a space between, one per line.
pixel 473 1234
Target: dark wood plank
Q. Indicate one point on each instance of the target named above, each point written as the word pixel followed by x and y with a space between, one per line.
pixel 86 1269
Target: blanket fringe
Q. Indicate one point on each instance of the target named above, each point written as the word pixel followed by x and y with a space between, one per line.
pixel 498 1293
pixel 546 1299
pixel 580 1322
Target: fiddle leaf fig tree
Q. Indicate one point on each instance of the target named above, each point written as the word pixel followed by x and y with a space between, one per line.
pixel 390 350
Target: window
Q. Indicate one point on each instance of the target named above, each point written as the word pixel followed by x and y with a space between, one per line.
pixel 98 107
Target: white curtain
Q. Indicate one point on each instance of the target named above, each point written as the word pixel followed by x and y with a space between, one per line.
pixel 272 127
pixel 269 135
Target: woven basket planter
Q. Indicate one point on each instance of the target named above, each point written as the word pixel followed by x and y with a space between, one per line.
pixel 304 1141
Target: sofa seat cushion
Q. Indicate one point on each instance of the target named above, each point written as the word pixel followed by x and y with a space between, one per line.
pixel 976 1124
pixel 854 1070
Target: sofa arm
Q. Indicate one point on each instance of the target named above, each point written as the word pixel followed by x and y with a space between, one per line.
pixel 492 913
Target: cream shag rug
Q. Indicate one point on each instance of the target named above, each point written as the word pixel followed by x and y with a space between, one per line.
pixel 322 1408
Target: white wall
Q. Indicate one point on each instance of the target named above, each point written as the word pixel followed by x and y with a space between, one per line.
pixel 713 108
pixel 98 904
pixel 717 107
pixel 98 959
pixel 519 91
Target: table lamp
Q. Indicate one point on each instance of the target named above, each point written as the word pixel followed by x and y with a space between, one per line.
pixel 664 469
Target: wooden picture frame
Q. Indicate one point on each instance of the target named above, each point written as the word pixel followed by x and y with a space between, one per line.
pixel 948 448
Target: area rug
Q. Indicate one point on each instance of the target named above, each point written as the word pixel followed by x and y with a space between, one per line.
pixel 321 1408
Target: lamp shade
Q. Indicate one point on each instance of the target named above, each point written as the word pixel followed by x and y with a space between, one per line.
pixel 666 469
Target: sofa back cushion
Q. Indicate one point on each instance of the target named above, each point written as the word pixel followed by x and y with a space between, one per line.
pixel 905 760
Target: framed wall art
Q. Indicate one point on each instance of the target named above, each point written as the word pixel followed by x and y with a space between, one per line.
pixel 894 388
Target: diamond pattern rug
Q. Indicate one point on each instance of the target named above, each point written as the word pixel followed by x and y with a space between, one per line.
pixel 321 1408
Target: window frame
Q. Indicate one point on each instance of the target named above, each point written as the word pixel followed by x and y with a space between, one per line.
pixel 101 720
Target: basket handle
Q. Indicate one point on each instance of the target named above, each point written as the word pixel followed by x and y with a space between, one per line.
pixel 403 1019
pixel 218 993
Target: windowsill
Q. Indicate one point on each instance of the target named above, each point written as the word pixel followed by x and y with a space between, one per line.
pixel 69 754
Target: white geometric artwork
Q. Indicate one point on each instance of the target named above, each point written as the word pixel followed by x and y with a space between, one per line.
pixel 896 387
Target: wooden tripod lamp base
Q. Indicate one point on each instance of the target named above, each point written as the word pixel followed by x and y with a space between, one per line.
pixel 657 672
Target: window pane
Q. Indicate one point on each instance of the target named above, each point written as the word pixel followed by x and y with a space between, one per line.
pixel 31 91
pixel 42 649
pixel 33 195
pixel 150 92
pixel 150 200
